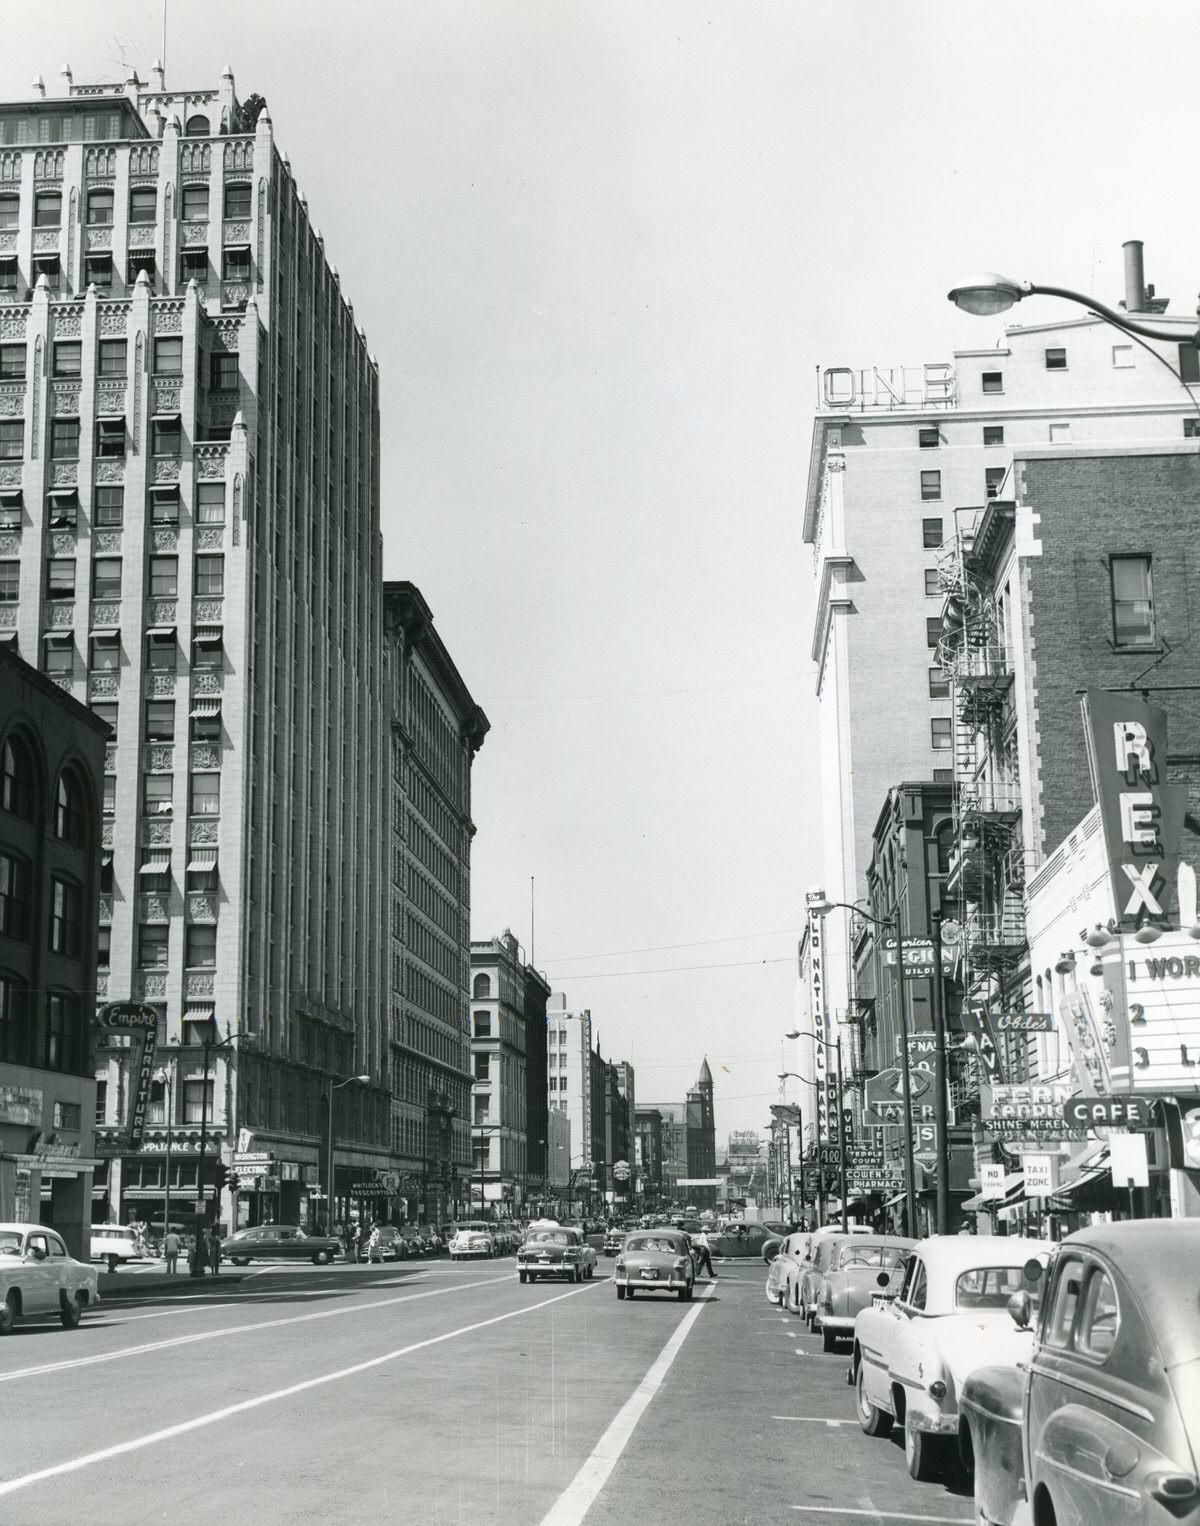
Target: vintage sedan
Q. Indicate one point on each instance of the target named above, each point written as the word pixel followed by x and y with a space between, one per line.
pixel 825 1242
pixel 861 1269
pixel 39 1277
pixel 555 1250
pixel 913 1354
pixel 655 1261
pixel 279 1242
pixel 1102 1423
pixel 785 1265
pixel 472 1245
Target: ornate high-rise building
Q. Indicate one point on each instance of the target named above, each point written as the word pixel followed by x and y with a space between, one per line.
pixel 189 543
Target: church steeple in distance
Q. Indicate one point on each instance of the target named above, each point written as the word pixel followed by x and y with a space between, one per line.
pixel 705 1077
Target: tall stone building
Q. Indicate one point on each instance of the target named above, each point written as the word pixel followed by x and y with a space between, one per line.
pixel 436 730
pixel 504 991
pixel 189 543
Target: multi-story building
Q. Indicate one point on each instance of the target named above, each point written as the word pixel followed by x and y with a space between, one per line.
pixel 500 1093
pixel 436 730
pixel 569 1076
pixel 689 1143
pixel 895 454
pixel 189 514
pixel 541 1146
pixel 51 767
pixel 648 1153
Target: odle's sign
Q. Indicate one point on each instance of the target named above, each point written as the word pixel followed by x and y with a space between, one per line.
pixel 1141 814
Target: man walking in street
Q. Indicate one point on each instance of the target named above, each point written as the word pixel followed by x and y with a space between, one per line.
pixel 214 1250
pixel 171 1250
pixel 702 1254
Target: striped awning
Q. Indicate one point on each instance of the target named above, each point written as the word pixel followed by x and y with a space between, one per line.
pixel 158 863
pixel 199 1014
pixel 202 861
pixel 63 492
pixel 205 709
pixel 207 635
pixel 60 638
pixel 160 630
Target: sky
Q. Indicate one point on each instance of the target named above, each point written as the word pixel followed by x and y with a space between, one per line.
pixel 601 252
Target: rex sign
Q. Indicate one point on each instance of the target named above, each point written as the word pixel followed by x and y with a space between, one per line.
pixel 1142 815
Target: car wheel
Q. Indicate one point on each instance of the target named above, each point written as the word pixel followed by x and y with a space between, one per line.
pixel 923 1455
pixel 628 1292
pixel 532 1276
pixel 113 1262
pixel 8 1315
pixel 775 1298
pixel 239 1260
pixel 521 1277
pixel 828 1339
pixel 620 1291
pixel 322 1258
pixel 874 1422
pixel 70 1310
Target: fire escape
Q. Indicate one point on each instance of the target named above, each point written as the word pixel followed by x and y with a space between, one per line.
pixel 987 860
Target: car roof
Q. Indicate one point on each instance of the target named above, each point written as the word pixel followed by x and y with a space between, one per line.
pixel 25 1228
pixel 946 1257
pixel 1157 1258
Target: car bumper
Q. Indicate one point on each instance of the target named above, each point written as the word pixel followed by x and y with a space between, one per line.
pixel 843 1324
pixel 671 1284
pixel 549 1268
pixel 932 1422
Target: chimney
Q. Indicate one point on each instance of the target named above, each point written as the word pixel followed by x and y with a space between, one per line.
pixel 1135 277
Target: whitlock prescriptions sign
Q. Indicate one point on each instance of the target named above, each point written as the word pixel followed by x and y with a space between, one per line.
pixel 1142 815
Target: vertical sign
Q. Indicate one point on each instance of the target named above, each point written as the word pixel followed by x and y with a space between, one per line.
pixel 816 994
pixel 132 1017
pixel 1142 815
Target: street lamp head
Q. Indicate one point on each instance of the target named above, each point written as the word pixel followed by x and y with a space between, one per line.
pixel 987 294
pixel 818 904
pixel 362 1080
pixel 793 1033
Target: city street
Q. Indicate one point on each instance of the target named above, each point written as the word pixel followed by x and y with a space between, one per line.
pixel 439 1393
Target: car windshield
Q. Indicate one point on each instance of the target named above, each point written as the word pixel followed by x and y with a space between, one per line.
pixel 549 1237
pixel 10 1242
pixel 871 1255
pixel 990 1287
pixel 651 1242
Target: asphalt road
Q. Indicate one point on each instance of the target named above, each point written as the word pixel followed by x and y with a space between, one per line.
pixel 439 1394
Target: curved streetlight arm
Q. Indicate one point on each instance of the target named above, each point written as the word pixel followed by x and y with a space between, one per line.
pixel 1118 319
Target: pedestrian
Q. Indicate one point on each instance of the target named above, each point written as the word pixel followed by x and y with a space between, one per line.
pixel 351 1237
pixel 171 1250
pixel 196 1255
pixel 702 1253
pixel 214 1250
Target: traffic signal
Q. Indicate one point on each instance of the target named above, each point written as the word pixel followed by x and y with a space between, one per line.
pixel 233 1183
pixel 221 1176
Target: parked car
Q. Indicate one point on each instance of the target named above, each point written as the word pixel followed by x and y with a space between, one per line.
pixel 555 1250
pixel 655 1261
pixel 431 1244
pixel 737 1240
pixel 38 1276
pixel 852 1281
pixel 472 1245
pixel 115 1244
pixel 795 1257
pixel 279 1242
pixel 824 1247
pixel 1102 1424
pixel 913 1354
pixel 786 1262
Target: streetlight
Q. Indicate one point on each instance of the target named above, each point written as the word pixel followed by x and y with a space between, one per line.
pixel 988 294
pixel 820 907
pixel 335 1086
pixel 163 1077
pixel 841 1102
pixel 208 1045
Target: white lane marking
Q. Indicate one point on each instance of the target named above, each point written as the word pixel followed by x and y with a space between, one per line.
pixel 580 1494
pixel 813 1420
pixel 942 1520
pixel 211 1335
pixel 214 1417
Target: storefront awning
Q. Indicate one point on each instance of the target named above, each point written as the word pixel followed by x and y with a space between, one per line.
pixel 159 864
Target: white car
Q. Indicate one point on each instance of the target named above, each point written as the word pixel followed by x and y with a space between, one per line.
pixel 38 1277
pixel 114 1243
pixel 472 1244
pixel 912 1354
pixel 786 1278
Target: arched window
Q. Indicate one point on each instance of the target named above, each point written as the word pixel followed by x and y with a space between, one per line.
pixel 197 127
pixel 483 987
pixel 70 814
pixel 17 792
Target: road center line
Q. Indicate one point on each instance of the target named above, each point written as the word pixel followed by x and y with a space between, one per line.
pixel 941 1520
pixel 212 1335
pixel 578 1497
pixel 214 1417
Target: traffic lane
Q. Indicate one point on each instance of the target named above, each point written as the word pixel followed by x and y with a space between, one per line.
pixel 756 1422
pixel 202 1360
pixel 111 1326
pixel 494 1415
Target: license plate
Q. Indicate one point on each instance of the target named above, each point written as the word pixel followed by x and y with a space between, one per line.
pixel 880 1300
pixel 649 1275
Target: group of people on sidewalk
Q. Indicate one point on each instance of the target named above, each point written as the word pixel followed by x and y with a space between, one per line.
pixel 203 1253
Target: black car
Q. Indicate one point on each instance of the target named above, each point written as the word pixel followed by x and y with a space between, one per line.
pixel 279 1242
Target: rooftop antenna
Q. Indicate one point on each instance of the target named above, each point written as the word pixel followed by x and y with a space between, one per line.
pixel 163 54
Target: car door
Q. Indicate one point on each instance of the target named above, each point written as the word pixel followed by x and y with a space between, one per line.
pixel 907 1311
pixel 878 1330
pixel 1097 1399
pixel 287 1242
pixel 39 1291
